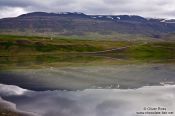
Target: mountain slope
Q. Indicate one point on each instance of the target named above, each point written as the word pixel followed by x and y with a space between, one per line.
pixel 67 23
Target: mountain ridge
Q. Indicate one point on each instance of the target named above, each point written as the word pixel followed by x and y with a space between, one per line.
pixel 76 23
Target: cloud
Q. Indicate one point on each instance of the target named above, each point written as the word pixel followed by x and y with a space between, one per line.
pixel 11 11
pixel 147 8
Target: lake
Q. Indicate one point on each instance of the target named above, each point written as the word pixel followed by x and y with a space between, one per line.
pixel 111 90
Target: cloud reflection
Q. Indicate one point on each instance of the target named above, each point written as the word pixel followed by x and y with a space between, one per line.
pixel 94 102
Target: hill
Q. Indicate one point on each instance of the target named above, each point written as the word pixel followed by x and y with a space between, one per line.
pixel 67 23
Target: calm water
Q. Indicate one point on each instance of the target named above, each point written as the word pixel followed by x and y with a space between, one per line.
pixel 117 90
pixel 91 77
pixel 91 102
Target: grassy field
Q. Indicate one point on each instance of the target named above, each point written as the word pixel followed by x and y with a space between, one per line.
pixel 8 112
pixel 17 51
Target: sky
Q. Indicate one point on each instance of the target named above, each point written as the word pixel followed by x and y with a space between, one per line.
pixel 145 8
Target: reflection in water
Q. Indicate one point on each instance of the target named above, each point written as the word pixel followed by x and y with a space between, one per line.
pixel 45 59
pixel 114 90
pixel 64 59
pixel 79 78
pixel 91 102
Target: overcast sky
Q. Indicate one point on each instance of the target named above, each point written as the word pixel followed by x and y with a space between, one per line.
pixel 146 8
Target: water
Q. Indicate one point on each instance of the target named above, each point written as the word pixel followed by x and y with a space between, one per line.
pixel 93 102
pixel 111 90
pixel 90 77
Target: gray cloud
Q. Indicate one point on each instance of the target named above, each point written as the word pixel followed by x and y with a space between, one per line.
pixel 16 3
pixel 147 8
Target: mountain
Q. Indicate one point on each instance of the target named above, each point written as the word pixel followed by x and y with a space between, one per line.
pixel 67 23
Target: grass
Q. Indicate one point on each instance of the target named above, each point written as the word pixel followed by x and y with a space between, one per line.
pixel 16 51
pixel 7 112
pixel 152 51
pixel 16 44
